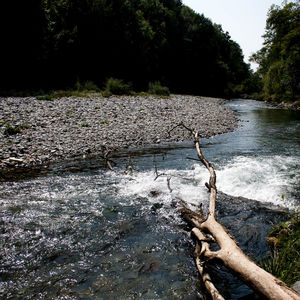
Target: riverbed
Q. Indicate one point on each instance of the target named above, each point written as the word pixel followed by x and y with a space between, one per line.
pixel 34 132
pixel 79 231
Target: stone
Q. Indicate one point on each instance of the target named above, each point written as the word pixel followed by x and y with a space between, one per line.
pixel 129 122
pixel 296 286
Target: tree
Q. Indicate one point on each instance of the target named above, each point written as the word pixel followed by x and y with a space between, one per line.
pixel 139 41
pixel 279 59
pixel 208 230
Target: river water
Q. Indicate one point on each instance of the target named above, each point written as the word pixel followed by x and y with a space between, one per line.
pixel 82 232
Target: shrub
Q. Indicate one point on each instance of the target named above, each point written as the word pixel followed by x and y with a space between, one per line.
pixel 106 93
pixel 117 87
pixel 86 86
pixel 90 86
pixel 284 260
pixel 155 88
pixel 10 130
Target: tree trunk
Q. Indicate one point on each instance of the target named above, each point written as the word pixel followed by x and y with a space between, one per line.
pixel 230 254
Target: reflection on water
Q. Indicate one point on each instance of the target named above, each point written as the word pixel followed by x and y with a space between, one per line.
pixel 81 232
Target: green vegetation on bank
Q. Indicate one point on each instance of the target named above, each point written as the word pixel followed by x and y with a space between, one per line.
pixel 112 87
pixel 278 76
pixel 54 44
pixel 155 88
pixel 284 259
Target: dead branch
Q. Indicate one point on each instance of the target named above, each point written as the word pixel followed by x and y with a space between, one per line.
pixel 230 254
pixel 168 183
pixel 106 153
pixel 200 266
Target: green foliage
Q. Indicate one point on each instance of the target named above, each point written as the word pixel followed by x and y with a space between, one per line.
pixel 133 40
pixel 84 92
pixel 250 87
pixel 279 59
pixel 11 130
pixel 117 87
pixel 284 260
pixel 86 86
pixel 46 97
pixel 106 93
pixel 104 122
pixel 84 125
pixel 155 88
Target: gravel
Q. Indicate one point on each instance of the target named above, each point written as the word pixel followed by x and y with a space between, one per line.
pixel 72 128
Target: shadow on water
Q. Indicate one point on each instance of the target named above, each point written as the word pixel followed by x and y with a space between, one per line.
pixel 78 231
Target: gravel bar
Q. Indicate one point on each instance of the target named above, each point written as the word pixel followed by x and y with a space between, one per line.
pixel 74 128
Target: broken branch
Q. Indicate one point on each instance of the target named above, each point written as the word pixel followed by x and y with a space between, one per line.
pixel 230 254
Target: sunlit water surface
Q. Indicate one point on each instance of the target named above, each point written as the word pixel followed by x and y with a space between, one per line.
pixel 95 234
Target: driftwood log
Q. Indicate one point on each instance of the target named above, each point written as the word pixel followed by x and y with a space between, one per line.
pixel 229 252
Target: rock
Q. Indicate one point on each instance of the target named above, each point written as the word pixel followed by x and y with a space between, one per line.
pixel 296 286
pixel 119 122
pixel 155 193
pixel 17 160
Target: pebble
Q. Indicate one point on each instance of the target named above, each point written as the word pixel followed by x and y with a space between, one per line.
pixel 71 127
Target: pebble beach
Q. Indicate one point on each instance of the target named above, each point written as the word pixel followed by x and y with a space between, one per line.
pixel 75 128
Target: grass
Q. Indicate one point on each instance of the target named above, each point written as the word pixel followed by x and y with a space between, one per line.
pixel 155 88
pixel 89 89
pixel 284 259
pixel 67 93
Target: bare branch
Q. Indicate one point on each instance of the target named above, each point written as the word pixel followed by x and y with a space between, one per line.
pixel 211 289
pixel 230 254
pixel 168 182
pixel 106 153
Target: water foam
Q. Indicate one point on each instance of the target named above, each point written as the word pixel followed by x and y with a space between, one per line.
pixel 266 179
pixel 186 184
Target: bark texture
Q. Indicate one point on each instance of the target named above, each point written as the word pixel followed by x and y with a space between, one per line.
pixel 230 253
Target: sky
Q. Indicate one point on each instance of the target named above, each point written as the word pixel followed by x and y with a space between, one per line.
pixel 245 20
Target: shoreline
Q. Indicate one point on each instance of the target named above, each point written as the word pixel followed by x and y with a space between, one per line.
pixel 74 128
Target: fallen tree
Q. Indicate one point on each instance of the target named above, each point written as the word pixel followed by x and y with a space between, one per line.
pixel 208 229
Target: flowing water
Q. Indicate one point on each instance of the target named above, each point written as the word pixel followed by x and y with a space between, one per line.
pixel 82 232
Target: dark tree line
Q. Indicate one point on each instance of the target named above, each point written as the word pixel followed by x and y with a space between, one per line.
pixel 279 59
pixel 54 43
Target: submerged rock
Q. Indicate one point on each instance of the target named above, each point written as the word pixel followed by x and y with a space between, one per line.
pixel 249 221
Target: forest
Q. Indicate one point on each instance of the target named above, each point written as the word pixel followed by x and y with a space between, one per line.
pixel 52 44
pixel 278 75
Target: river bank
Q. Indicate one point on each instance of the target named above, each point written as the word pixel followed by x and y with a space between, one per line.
pixel 81 231
pixel 37 132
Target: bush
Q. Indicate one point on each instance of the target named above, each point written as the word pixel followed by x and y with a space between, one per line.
pixel 10 130
pixel 116 87
pixel 86 86
pixel 90 86
pixel 106 93
pixel 284 260
pixel 155 88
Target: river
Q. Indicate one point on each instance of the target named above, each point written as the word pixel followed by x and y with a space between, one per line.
pixel 79 231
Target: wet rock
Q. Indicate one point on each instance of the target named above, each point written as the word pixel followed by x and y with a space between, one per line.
pixel 156 207
pixel 155 193
pixel 148 268
pixel 249 221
